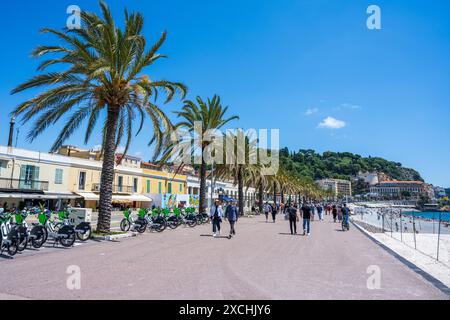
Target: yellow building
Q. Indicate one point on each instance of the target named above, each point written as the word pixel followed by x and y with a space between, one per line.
pixel 158 182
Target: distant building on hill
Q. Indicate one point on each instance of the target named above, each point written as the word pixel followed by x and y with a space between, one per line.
pixel 439 192
pixel 340 188
pixel 401 189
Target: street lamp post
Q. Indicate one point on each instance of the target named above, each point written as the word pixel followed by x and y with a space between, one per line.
pixel 212 174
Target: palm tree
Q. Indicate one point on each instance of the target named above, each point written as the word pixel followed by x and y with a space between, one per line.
pixel 241 173
pixel 210 115
pixel 104 80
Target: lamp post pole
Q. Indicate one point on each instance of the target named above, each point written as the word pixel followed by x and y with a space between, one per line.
pixel 212 176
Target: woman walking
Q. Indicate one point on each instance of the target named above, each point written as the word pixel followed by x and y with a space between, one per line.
pixel 216 217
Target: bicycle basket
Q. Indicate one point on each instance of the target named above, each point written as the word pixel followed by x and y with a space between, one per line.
pixel 142 213
pixel 42 217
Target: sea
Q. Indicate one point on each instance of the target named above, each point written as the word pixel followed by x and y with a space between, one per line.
pixel 432 215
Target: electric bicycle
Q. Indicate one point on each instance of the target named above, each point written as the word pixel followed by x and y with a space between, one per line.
pixel 9 236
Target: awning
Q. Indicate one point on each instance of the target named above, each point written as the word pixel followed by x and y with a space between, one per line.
pixel 227 199
pixel 40 196
pixel 89 196
pixel 60 195
pixel 132 198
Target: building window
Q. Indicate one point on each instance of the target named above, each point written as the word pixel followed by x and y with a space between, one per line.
pixel 82 181
pixel 159 187
pixel 120 184
pixel 148 186
pixel 135 185
pixel 29 176
pixel 181 187
pixel 169 188
pixel 58 176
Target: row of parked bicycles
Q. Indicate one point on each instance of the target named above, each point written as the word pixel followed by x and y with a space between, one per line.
pixel 160 219
pixel 17 234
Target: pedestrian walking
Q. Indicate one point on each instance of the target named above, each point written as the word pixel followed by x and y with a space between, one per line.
pixel 306 215
pixel 340 214
pixel 216 217
pixel 334 212
pixel 320 211
pixel 345 216
pixel 267 208
pixel 274 212
pixel 231 214
pixel 293 218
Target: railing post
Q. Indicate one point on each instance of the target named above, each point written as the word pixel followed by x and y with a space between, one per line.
pixel 439 234
pixel 414 230
pixel 401 226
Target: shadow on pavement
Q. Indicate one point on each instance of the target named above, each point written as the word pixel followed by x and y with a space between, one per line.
pixel 289 234
pixel 210 235
pixel 4 256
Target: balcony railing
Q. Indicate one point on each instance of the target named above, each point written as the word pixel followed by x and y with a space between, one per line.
pixel 7 184
pixel 116 189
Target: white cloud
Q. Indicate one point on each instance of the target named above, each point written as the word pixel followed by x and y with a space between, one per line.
pixel 120 149
pixel 311 111
pixel 332 123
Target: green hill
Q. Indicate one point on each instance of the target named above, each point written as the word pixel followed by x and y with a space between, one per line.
pixel 342 165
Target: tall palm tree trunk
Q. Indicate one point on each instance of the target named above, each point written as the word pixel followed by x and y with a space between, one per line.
pixel 261 197
pixel 107 177
pixel 202 202
pixel 240 191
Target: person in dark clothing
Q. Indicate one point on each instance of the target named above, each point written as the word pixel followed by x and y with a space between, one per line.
pixel 274 212
pixel 216 217
pixel 306 215
pixel 231 214
pixel 292 213
pixel 334 212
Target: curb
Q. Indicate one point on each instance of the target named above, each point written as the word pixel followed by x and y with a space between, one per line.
pixel 413 266
pixel 115 236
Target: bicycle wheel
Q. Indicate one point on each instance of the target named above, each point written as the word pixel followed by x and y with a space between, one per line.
pixel 37 236
pixel 86 235
pixel 192 223
pixel 161 226
pixel 67 241
pixel 125 225
pixel 12 248
pixel 172 225
pixel 22 243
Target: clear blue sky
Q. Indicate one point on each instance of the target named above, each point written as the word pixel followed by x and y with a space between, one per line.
pixel 272 61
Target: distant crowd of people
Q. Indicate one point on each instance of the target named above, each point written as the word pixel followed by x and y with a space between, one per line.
pixel 293 212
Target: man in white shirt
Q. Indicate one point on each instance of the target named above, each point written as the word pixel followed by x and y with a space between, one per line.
pixel 216 214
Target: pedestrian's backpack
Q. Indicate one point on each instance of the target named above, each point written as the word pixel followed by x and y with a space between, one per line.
pixel 216 213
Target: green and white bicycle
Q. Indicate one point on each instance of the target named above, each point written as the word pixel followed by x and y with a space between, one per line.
pixel 64 234
pixel 9 236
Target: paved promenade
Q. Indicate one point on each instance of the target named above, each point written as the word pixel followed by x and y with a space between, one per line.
pixel 262 262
